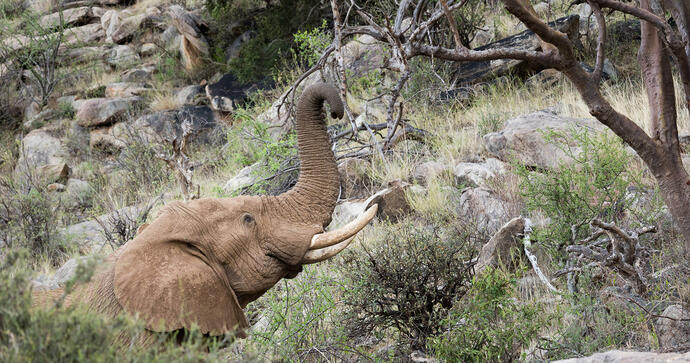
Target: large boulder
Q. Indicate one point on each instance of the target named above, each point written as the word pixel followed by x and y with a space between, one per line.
pixel 193 44
pixel 103 111
pixel 475 72
pixel 83 35
pixel 674 334
pixel 228 93
pixel 190 95
pixel 120 26
pixel 498 252
pixel 122 57
pixel 70 17
pixel 44 155
pixel 485 208
pixel 167 125
pixel 243 179
pixel 126 89
pixel 478 174
pixel 522 139
pixel 427 171
pixel 619 356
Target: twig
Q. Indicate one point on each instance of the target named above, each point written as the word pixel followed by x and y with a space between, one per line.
pixel 527 244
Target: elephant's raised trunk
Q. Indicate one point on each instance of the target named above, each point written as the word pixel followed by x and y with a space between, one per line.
pixel 317 188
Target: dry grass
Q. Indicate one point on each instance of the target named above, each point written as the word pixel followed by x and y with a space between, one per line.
pixel 162 99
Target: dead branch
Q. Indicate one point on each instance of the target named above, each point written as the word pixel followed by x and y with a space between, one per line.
pixel 527 244
pixel 178 161
pixel 622 252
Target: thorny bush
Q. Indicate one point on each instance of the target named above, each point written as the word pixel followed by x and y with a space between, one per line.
pixel 407 279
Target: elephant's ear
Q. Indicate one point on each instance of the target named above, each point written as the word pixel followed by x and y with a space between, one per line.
pixel 171 285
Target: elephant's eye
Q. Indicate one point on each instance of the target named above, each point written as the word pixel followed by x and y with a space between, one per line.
pixel 248 218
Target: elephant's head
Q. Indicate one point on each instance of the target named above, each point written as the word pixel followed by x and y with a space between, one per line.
pixel 201 262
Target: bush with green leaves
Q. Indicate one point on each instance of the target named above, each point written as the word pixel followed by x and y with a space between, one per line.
pixel 277 159
pixel 592 182
pixel 298 320
pixel 406 279
pixel 310 44
pixel 489 324
pixel 29 218
pixel 55 331
pixel 274 25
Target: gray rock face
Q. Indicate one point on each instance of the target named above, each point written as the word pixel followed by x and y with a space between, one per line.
pixel 478 174
pixel 102 111
pixel 84 35
pixel 122 56
pixel 484 208
pixel 190 95
pixel 522 138
pixel 228 93
pixel 43 154
pixel 120 26
pixel 90 234
pixel 70 17
pixel 673 333
pixel 168 125
pixel 429 170
pixel 147 49
pixel 243 179
pixel 498 251
pixel 77 193
pixel 126 89
pixel 618 356
pixel 142 74
pixel 84 54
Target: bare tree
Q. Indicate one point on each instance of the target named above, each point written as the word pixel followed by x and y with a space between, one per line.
pixel 661 45
pixel 179 162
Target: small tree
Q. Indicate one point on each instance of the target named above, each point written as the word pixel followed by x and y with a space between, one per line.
pixel 661 44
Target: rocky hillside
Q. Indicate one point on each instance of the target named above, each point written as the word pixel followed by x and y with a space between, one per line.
pixel 503 205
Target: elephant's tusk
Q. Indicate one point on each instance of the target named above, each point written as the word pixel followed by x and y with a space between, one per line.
pixel 314 256
pixel 331 238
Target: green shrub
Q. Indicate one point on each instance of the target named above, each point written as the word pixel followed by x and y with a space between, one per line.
pixel 406 279
pixel 298 320
pixel 71 334
pixel 310 44
pixel 274 25
pixel 592 183
pixel 278 163
pixel 29 217
pixel 489 324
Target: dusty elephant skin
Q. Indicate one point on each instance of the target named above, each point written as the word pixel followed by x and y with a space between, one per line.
pixel 203 261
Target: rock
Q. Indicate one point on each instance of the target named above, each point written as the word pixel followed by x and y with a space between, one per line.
pixel 142 74
pixel 484 208
pixel 392 201
pixel 353 177
pixel 103 111
pixel 170 38
pixel 83 35
pixel 243 179
pixel 38 120
pixel 56 187
pixel 84 54
pixel 190 95
pixel 545 78
pixel 609 70
pixel 193 44
pixel 233 49
pixel 475 72
pixel 147 49
pixel 363 55
pixel 126 89
pixel 228 93
pixel 70 17
pixel 498 252
pixel 168 125
pixel 45 155
pixel 425 172
pixel 542 9
pixel 673 334
pixel 90 234
pixel 122 56
pixel 478 174
pixel 38 6
pixel 67 270
pixel 103 139
pixel 618 356
pixel 77 193
pixel 75 3
pixel 522 139
pixel 120 26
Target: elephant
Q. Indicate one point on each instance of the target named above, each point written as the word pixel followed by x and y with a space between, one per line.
pixel 201 262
